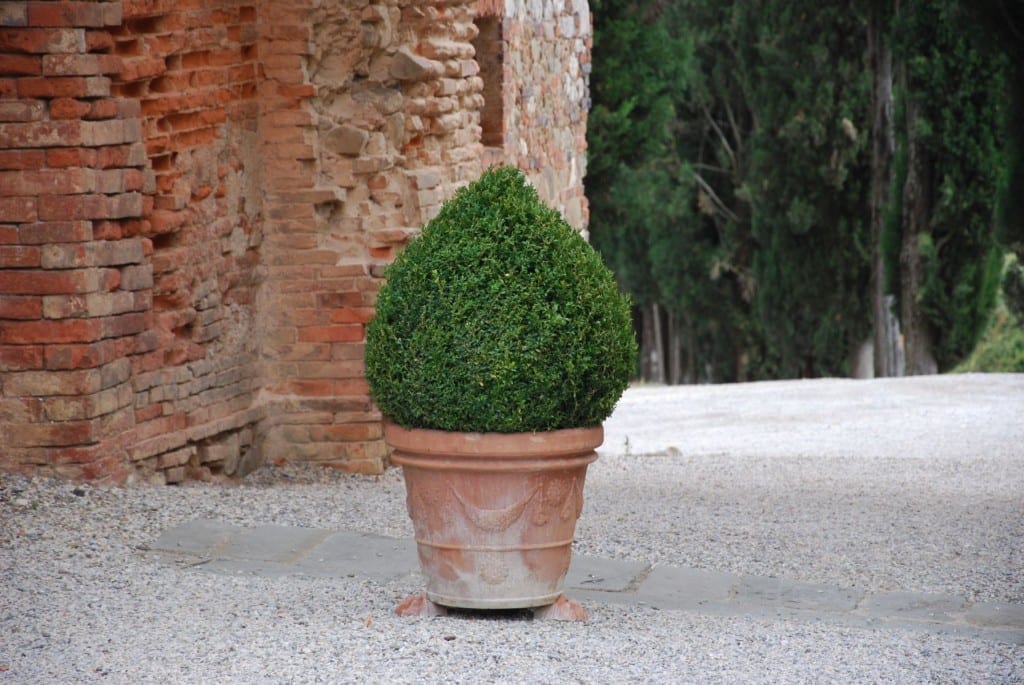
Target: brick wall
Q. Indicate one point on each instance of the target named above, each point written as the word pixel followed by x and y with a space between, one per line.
pixel 191 67
pixel 76 288
pixel 384 131
pixel 197 198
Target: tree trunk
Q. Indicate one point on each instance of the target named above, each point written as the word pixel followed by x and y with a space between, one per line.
pixel 691 350
pixel 882 147
pixel 659 344
pixel 916 215
pixel 648 345
pixel 675 350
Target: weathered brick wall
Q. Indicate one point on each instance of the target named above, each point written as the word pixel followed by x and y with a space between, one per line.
pixel 191 65
pixel 129 211
pixel 76 288
pixel 197 198
pixel 388 129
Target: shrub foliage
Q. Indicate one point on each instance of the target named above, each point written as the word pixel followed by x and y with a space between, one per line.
pixel 499 317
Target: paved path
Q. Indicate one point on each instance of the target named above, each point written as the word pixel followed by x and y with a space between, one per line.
pixel 273 551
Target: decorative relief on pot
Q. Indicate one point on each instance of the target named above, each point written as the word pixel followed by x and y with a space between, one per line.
pixel 430 501
pixel 572 506
pixel 562 494
pixel 493 532
pixel 493 520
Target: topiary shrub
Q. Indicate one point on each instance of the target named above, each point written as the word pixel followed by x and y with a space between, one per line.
pixel 499 317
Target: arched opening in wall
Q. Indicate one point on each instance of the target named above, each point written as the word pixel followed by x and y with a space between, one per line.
pixel 490 49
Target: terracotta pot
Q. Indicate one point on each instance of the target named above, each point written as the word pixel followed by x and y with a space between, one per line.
pixel 494 513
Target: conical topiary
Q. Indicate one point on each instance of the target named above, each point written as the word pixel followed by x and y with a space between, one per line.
pixel 499 317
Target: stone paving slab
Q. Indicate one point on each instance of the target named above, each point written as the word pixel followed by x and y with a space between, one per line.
pixel 277 551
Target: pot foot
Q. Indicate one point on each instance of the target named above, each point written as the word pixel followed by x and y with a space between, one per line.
pixel 564 609
pixel 419 605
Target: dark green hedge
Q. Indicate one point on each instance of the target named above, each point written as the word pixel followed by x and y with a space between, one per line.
pixel 499 317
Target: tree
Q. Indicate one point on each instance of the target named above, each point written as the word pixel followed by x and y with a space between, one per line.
pixel 880 14
pixel 950 97
pixel 806 182
pixel 757 168
pixel 636 82
pixel 997 26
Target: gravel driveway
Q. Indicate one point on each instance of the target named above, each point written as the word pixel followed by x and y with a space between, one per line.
pixel 910 485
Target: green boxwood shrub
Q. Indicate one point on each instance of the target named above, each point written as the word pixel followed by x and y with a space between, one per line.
pixel 499 317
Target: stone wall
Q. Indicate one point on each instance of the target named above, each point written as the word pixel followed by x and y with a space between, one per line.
pixel 546 98
pixel 389 130
pixel 197 198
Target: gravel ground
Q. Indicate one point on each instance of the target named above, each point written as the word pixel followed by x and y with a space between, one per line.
pixel 913 485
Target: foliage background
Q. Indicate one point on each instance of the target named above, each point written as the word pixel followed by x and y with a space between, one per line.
pixel 730 170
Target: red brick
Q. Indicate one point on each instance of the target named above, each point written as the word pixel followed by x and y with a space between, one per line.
pixel 61 207
pixel 40 134
pixel 336 333
pixel 19 257
pixel 61 331
pixel 164 221
pixel 67 108
pixel 340 298
pixel 352 431
pixel 117 252
pixel 43 40
pixel 89 305
pixel 18 209
pixel 81 65
pixel 111 132
pixel 55 434
pixel 352 315
pixel 64 86
pixel 125 324
pixel 98 41
pixel 76 463
pixel 20 307
pixel 46 383
pixel 64 157
pixel 103 109
pixel 44 182
pixel 8 235
pixel 131 155
pixel 81 356
pixel 56 232
pixel 134 179
pixel 21 65
pixel 30 282
pixel 22 159
pixel 80 408
pixel 148 413
pixel 199 137
pixel 110 469
pixel 108 230
pixel 142 68
pixel 136 278
pixel 163 426
pixel 92 14
pixel 64 306
pixel 8 87
pixel 306 388
pixel 20 357
pixel 109 279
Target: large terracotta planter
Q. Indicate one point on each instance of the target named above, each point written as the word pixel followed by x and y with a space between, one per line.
pixel 494 513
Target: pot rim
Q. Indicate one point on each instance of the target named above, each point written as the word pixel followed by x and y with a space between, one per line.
pixel 430 441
